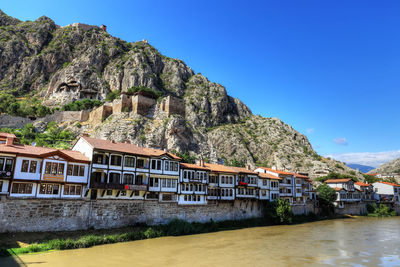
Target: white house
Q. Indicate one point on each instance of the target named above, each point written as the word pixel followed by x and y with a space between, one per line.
pixel 246 183
pixel 193 184
pixel 46 172
pixel 387 192
pixel 127 171
pixel 345 191
pixel 221 182
pixel 268 185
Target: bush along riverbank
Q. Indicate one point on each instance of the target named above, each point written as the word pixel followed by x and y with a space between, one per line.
pixel 380 210
pixel 275 213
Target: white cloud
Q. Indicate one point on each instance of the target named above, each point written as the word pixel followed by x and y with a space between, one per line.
pixel 373 159
pixel 340 141
pixel 310 130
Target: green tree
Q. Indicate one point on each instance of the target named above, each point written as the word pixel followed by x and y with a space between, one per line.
pixel 326 196
pixel 284 211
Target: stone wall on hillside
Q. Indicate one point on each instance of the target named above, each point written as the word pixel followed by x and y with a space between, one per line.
pixel 27 215
pixel 305 209
pixel 13 121
pixel 63 116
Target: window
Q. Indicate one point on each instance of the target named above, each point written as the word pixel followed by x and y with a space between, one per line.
pixel 156 164
pixel 213 179
pixel 140 164
pixel 98 159
pixel 109 193
pixel 298 190
pixel 9 165
pixel 61 168
pixel 130 162
pixel 128 178
pixel 49 189
pixel 54 168
pixel 166 165
pixel 72 190
pixel 47 169
pixel 1 186
pixel 154 182
pixel 139 180
pixel 265 182
pixel 32 168
pixel 25 165
pixel 76 170
pixel 114 178
pixel 115 160
pixel 168 183
pixel 22 188
pixel 274 196
pixel 1 163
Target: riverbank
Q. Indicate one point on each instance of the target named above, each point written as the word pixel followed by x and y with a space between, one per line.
pixel 22 243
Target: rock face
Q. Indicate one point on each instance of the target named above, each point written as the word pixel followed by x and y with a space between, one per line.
pixel 62 64
pixel 388 168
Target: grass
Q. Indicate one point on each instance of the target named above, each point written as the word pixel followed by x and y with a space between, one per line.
pixel 81 239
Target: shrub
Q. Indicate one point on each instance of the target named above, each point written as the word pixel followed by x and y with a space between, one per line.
pixel 113 95
pixel 381 211
pixel 84 104
pixel 278 212
pixel 146 90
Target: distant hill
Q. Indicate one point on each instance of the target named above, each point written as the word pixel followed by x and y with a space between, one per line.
pixel 361 168
pixel 390 167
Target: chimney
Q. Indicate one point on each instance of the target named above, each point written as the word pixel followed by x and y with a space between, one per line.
pixel 127 142
pixel 113 141
pixel 85 135
pixel 9 141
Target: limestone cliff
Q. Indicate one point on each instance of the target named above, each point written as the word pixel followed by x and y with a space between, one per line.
pixel 62 64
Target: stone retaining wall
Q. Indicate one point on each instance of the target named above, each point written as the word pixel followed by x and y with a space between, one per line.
pixel 352 208
pixel 27 215
pixel 304 209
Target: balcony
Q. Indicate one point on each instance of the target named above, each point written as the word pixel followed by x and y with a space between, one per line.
pixel 137 187
pixel 5 174
pixel 107 186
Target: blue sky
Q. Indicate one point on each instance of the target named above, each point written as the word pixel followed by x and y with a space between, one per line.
pixel 328 68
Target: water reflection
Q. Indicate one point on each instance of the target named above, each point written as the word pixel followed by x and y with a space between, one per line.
pixel 349 242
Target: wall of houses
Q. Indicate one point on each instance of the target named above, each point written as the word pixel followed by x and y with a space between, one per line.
pixel 25 215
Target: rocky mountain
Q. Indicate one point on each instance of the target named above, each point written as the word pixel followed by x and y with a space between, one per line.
pixel 62 64
pixel 388 168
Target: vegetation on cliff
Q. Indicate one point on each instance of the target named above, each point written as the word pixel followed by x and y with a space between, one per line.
pixel 52 136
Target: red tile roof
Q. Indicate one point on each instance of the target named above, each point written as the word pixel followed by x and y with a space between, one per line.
pixel 338 189
pixel 193 166
pixel 127 148
pixel 268 176
pixel 276 171
pixel 361 184
pixel 242 170
pixel 37 151
pixel 392 184
pixel 220 168
pixel 285 173
pixel 334 181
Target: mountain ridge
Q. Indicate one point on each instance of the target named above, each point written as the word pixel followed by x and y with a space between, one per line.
pixel 62 64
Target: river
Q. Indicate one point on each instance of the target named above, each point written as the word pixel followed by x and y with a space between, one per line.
pixel 344 242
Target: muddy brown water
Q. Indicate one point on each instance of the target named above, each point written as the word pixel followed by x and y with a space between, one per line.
pixel 344 242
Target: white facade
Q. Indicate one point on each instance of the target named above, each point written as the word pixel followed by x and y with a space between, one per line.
pixel 386 192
